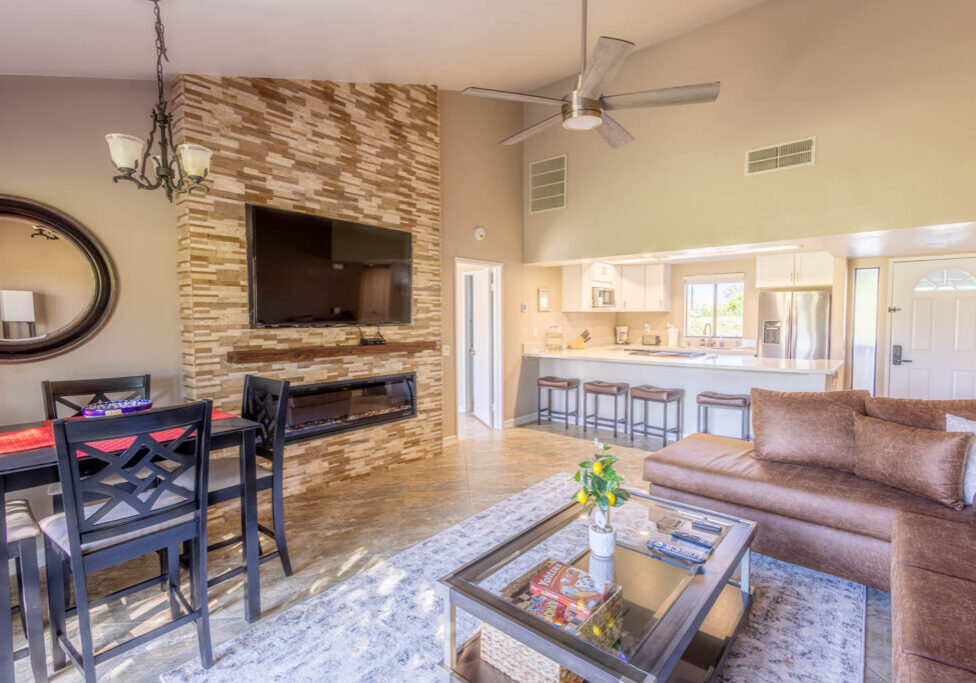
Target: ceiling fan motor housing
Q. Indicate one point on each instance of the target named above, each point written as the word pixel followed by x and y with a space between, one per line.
pixel 582 113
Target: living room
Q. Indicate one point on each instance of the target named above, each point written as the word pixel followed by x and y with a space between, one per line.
pixel 396 427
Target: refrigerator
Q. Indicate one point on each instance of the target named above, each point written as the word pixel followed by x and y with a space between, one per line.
pixel 794 324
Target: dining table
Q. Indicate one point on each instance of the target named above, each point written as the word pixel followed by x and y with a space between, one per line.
pixel 36 464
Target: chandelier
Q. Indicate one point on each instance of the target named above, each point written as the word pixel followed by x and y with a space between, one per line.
pixel 174 168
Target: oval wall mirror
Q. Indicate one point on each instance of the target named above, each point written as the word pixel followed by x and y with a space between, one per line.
pixel 57 284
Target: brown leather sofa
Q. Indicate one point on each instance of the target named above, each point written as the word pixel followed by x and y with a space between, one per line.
pixel 824 519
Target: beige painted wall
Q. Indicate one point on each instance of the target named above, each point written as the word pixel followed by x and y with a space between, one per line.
pixel 481 185
pixel 55 270
pixel 52 149
pixel 880 83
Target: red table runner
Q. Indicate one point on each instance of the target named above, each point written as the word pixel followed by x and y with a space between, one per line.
pixel 43 437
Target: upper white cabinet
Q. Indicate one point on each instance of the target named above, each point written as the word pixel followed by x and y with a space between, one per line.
pixel 805 269
pixel 631 295
pixel 637 288
pixel 657 287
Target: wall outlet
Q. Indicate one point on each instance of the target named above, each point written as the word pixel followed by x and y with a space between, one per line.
pixel 535 331
pixel 445 349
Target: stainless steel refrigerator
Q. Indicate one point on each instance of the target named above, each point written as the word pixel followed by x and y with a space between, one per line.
pixel 794 324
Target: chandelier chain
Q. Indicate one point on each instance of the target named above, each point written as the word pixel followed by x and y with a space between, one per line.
pixel 160 50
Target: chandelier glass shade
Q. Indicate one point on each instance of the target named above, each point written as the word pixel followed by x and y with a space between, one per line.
pixel 157 162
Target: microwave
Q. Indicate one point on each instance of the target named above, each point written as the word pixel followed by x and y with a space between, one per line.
pixel 603 297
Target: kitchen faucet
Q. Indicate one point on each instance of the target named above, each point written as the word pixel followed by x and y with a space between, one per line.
pixel 706 335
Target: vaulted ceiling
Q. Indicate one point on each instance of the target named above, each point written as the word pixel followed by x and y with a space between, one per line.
pixel 451 43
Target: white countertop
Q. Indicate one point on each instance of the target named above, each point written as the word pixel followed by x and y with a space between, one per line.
pixel 721 360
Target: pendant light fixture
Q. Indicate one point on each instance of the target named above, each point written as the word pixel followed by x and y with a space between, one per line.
pixel 180 168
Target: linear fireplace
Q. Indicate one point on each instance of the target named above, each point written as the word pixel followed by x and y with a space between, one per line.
pixel 317 410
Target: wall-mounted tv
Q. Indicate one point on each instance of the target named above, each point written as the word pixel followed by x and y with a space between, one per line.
pixel 312 271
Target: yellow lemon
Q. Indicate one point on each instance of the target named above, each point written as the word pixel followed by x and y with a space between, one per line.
pixel 597 631
pixel 597 468
pixel 611 499
pixel 581 496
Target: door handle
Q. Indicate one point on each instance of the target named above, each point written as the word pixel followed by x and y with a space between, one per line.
pixel 896 358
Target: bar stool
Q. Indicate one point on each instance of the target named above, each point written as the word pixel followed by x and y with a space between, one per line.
pixel 713 399
pixel 648 394
pixel 598 389
pixel 559 384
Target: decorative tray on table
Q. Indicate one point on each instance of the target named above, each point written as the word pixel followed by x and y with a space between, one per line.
pixel 116 407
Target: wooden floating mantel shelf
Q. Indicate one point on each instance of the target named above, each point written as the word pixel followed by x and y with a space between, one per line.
pixel 302 353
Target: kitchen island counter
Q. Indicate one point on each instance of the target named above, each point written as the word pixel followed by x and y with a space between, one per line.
pixel 725 371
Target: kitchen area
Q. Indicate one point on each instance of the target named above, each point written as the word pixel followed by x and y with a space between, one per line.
pixel 708 322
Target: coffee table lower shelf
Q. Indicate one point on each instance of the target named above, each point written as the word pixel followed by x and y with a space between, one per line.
pixel 701 662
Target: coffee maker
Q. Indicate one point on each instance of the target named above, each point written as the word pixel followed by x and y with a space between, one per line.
pixel 622 331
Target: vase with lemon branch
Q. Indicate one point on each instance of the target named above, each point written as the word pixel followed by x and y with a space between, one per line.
pixel 600 490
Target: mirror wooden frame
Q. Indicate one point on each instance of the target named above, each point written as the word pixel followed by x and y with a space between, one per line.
pixel 100 306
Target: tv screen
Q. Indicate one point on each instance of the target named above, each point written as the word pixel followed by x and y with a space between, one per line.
pixel 307 271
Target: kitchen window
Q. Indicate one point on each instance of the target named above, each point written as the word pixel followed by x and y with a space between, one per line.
pixel 714 302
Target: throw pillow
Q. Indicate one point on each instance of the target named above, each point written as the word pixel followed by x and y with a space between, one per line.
pixel 806 428
pixel 927 462
pixel 954 423
pixel 919 413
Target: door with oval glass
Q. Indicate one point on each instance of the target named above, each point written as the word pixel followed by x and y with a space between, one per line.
pixel 932 352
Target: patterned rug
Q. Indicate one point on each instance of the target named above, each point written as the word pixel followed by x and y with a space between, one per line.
pixel 804 625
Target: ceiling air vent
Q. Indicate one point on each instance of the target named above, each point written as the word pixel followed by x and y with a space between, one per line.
pixel 547 184
pixel 779 157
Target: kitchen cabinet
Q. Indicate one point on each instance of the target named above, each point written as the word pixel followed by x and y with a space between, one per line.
pixel 657 287
pixel 805 269
pixel 579 281
pixel 631 296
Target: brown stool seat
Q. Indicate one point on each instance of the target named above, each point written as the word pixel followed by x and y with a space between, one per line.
pixel 558 382
pixel 607 388
pixel 713 398
pixel 648 393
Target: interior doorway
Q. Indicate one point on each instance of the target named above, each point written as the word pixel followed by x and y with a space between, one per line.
pixel 477 286
pixel 932 331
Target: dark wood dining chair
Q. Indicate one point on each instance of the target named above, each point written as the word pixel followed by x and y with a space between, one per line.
pixel 265 401
pixel 162 457
pixel 22 535
pixel 75 394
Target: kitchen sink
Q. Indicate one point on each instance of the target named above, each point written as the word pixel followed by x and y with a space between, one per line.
pixel 670 354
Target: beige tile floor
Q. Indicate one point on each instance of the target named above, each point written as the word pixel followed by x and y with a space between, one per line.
pixel 339 530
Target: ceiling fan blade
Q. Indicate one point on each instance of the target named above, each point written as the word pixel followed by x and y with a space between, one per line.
pixel 613 133
pixel 664 97
pixel 532 130
pixel 513 96
pixel 604 63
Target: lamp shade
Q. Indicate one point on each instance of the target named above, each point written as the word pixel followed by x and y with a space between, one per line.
pixel 195 160
pixel 125 150
pixel 17 306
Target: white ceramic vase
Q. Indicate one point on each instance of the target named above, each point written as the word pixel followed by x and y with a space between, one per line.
pixel 603 539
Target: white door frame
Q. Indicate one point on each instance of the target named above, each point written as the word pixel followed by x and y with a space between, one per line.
pixel 891 295
pixel 462 266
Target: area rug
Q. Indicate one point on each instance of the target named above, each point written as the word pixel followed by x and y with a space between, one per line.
pixel 384 624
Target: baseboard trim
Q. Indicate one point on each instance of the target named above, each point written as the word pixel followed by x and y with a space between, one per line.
pixel 449 440
pixel 521 420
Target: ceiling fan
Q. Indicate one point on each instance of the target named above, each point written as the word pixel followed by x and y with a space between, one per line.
pixel 585 108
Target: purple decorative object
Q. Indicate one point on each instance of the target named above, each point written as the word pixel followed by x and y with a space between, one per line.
pixel 116 407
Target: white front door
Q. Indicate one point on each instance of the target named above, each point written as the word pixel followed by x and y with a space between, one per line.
pixel 932 354
pixel 481 346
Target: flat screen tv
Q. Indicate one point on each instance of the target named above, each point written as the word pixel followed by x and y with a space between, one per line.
pixel 311 271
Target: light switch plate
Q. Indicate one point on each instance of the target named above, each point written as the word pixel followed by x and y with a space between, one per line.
pixel 445 349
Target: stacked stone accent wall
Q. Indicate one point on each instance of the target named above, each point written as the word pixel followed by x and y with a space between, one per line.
pixel 361 152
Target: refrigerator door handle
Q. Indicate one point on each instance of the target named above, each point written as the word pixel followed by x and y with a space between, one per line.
pixel 794 325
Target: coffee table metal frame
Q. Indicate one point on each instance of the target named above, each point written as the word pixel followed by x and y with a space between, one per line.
pixel 660 652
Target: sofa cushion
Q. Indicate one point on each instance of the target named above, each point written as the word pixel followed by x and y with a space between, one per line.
pixel 922 461
pixel 933 600
pixel 723 469
pixel 919 413
pixel 954 423
pixel 806 428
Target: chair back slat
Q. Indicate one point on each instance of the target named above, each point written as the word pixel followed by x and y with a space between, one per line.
pixel 266 402
pixel 155 470
pixel 75 394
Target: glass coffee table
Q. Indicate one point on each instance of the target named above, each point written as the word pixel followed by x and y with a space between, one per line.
pixel 663 619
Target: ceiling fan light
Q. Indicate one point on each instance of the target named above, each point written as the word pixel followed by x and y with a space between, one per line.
pixel 125 150
pixel 582 120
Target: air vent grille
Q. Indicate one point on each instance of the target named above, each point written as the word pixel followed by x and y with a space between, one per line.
pixel 779 157
pixel 547 184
